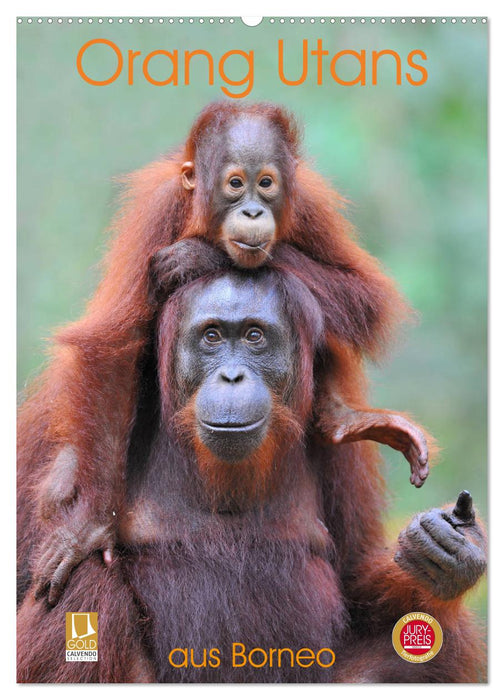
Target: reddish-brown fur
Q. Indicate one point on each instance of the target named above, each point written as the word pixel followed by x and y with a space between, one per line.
pixel 345 592
pixel 87 395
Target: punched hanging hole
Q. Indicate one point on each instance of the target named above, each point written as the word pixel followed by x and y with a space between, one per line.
pixel 251 21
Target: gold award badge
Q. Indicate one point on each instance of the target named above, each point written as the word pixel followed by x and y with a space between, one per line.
pixel 81 636
pixel 417 637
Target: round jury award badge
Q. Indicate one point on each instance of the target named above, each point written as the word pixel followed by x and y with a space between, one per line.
pixel 417 637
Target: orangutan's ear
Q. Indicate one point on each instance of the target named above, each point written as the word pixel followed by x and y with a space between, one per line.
pixel 187 172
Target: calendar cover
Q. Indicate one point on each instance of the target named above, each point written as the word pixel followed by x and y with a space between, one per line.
pixel 252 295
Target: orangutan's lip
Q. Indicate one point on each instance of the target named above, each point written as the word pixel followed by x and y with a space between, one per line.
pixel 260 247
pixel 233 427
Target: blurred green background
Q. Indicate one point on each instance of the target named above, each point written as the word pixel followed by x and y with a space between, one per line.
pixel 412 160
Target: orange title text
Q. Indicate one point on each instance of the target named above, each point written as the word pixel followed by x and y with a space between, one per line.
pixel 309 62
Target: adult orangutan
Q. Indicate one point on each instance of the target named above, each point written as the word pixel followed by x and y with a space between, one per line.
pixel 240 184
pixel 248 549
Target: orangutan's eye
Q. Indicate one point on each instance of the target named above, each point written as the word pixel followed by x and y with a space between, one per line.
pixel 254 335
pixel 212 336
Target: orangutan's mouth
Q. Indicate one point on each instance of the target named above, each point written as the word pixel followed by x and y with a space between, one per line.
pixel 233 427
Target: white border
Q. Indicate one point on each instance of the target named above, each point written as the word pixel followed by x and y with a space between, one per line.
pixel 197 8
